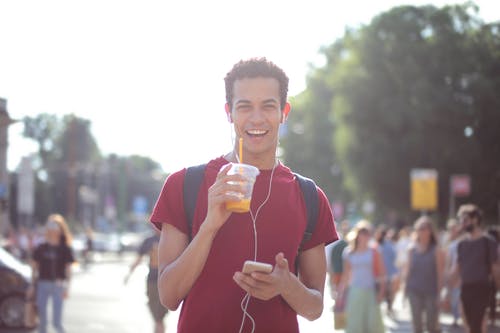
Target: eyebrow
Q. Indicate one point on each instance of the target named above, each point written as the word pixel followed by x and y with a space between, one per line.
pixel 270 100
pixel 266 101
pixel 242 101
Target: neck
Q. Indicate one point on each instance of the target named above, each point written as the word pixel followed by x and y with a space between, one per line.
pixel 476 233
pixel 423 244
pixel 53 241
pixel 362 247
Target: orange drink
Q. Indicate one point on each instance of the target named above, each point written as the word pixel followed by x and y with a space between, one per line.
pixel 240 206
pixel 249 172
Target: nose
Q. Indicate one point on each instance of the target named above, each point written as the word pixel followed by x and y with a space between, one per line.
pixel 257 116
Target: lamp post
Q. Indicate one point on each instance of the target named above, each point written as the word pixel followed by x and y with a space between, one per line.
pixel 5 122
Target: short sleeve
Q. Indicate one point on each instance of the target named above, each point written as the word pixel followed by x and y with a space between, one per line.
pixel 69 258
pixel 345 253
pixel 36 254
pixel 324 231
pixel 169 207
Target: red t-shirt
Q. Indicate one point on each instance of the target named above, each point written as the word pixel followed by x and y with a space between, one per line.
pixel 213 303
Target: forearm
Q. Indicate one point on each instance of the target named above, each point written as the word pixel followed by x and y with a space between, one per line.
pixel 440 280
pixel 306 302
pixel 177 278
pixel 135 264
pixel 68 275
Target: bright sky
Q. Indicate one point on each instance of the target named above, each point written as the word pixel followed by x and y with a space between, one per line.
pixel 149 74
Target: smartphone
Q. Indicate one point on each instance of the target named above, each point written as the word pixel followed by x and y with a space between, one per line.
pixel 254 266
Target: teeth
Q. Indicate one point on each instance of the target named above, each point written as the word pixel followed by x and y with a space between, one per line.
pixel 256 132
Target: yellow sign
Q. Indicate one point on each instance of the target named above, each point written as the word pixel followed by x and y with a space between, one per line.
pixel 424 188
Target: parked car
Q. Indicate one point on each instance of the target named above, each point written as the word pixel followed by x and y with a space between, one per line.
pixel 15 279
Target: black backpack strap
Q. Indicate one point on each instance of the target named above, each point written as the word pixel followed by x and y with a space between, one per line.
pixel 192 182
pixel 310 194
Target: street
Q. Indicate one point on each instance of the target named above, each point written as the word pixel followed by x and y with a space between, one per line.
pixel 99 301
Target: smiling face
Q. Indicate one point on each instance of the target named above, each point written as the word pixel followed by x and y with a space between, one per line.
pixel 256 114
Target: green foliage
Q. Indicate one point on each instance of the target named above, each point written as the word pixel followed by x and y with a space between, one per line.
pixel 70 165
pixel 43 129
pixel 416 88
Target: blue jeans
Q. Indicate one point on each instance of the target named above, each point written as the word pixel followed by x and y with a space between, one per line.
pixel 420 303
pixel 45 290
pixel 455 302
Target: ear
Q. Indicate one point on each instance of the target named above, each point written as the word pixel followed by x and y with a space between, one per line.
pixel 285 112
pixel 228 112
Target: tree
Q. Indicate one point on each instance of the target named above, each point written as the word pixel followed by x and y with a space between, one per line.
pixel 66 150
pixel 43 129
pixel 416 88
pixel 133 176
pixel 307 143
pixel 74 179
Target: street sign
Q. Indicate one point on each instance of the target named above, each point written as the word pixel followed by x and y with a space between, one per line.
pixel 3 191
pixel 424 189
pixel 140 205
pixel 460 185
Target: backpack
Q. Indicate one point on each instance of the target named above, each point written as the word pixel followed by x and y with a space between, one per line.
pixel 195 174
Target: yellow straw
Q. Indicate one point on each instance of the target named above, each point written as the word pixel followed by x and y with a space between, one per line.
pixel 241 150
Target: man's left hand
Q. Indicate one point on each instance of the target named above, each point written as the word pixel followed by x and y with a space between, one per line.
pixel 265 286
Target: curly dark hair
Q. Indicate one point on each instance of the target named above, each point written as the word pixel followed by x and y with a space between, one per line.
pixel 252 68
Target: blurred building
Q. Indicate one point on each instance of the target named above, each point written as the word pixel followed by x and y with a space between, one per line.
pixel 5 122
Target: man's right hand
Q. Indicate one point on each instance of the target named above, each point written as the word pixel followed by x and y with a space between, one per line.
pixel 217 214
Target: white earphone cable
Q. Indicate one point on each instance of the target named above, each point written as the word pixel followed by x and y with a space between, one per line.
pixel 246 298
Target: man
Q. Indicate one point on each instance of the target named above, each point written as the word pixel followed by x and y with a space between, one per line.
pixel 476 254
pixel 204 272
pixel 149 247
pixel 452 281
pixel 335 267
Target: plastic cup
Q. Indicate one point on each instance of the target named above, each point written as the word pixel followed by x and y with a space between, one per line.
pixel 250 173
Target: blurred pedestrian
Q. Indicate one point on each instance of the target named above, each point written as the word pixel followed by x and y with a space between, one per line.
pixel 424 276
pixel 335 268
pixel 495 280
pixel 388 251
pixel 363 272
pixel 88 249
pixel 402 244
pixel 51 265
pixel 149 247
pixel 335 261
pixel 452 281
pixel 477 254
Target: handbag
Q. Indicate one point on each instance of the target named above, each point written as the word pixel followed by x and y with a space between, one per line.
pixel 377 268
